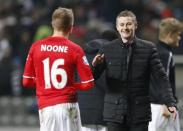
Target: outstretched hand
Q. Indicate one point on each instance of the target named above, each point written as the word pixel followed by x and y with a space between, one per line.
pixel 98 59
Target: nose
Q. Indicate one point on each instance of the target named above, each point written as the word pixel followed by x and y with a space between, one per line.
pixel 125 27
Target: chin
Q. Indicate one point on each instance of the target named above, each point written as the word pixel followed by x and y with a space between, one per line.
pixel 126 37
pixel 175 46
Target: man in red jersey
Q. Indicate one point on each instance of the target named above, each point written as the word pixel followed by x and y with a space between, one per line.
pixel 50 67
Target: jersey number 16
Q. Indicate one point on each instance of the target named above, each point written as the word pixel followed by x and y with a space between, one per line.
pixel 50 74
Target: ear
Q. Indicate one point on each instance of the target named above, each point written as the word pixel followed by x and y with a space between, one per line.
pixel 169 35
pixel 117 27
pixel 136 25
pixel 70 29
pixel 168 38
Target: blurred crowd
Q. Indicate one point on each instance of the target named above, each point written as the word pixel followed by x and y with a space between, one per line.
pixel 24 21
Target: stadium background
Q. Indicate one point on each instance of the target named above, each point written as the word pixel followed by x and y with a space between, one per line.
pixel 24 21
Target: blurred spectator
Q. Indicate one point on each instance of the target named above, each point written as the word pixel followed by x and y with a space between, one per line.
pixel 42 32
pixel 5 65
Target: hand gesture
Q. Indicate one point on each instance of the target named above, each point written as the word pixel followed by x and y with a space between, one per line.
pixel 98 59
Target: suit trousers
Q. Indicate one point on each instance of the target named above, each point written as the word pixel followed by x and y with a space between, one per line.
pixel 112 126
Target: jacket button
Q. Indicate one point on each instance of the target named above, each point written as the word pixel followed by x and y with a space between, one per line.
pixel 116 102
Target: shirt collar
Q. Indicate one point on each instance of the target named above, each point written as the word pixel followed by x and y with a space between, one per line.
pixel 165 45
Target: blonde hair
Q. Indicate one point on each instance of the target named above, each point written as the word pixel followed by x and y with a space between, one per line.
pixel 169 25
pixel 62 19
pixel 126 13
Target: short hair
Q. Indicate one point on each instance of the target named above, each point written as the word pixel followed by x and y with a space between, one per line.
pixel 62 19
pixel 127 13
pixel 169 25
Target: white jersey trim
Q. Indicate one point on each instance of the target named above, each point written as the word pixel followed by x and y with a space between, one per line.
pixel 168 65
pixel 28 77
pixel 87 81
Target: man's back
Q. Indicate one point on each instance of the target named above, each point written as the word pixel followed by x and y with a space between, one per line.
pixel 52 62
pixel 50 67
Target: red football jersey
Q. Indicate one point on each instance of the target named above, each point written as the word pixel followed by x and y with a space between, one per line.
pixel 51 63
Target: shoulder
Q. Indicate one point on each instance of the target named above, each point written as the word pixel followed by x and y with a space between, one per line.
pixel 145 43
pixel 145 47
pixel 34 45
pixel 74 45
pixel 164 52
pixel 162 48
pixel 75 48
pixel 38 42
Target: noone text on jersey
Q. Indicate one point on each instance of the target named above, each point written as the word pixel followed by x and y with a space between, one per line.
pixel 54 48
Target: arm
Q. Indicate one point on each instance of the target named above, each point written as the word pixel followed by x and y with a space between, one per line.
pixel 84 86
pixel 160 76
pixel 172 77
pixel 29 74
pixel 28 82
pixel 169 66
pixel 84 72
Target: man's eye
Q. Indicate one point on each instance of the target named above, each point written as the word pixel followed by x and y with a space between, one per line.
pixel 129 24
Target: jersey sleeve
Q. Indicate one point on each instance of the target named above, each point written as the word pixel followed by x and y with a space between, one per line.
pixel 84 69
pixel 29 73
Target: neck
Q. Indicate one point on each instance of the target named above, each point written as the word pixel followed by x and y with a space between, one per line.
pixel 60 34
pixel 127 40
pixel 164 41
